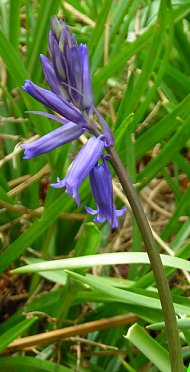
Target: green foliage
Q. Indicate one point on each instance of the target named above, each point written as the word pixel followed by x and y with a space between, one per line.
pixel 152 349
pixel 14 332
pixel 139 52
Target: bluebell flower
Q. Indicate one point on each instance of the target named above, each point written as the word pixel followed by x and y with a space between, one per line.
pixel 81 166
pixel 102 188
pixel 71 98
pixel 68 76
pixel 55 103
pixel 60 136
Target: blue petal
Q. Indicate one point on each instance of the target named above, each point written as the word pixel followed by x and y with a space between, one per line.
pixel 70 66
pixel 74 74
pixel 101 184
pixel 59 62
pixel 87 97
pixel 81 166
pixel 91 211
pixel 51 100
pixel 51 78
pixel 50 141
pixel 121 212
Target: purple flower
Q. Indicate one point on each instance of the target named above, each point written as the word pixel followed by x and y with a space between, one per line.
pixel 68 76
pixel 70 63
pixel 57 104
pixel 60 136
pixel 87 96
pixel 102 188
pixel 81 166
pixel 70 96
pixel 51 78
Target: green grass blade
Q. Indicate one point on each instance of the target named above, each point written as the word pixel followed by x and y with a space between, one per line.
pixel 159 75
pixel 89 240
pixel 151 58
pixel 149 347
pixel 99 28
pixel 120 60
pixel 12 60
pixel 120 11
pixel 14 332
pixel 182 324
pixel 32 233
pixel 115 293
pixel 124 27
pixel 182 208
pixel 168 124
pixel 14 23
pixel 138 297
pixel 167 154
pixel 19 73
pixel 47 9
pixel 24 363
pixel 103 259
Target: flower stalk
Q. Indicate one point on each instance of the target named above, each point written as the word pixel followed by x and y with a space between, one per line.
pixel 169 316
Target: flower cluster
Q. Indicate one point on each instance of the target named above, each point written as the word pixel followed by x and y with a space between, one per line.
pixel 71 97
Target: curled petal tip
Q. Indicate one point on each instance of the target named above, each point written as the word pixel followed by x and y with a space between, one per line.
pixel 91 211
pixel 121 212
pixel 24 87
pixel 58 185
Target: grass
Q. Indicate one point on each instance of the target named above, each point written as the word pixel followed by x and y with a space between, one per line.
pixel 139 53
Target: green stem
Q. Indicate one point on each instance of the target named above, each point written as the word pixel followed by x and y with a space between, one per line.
pixel 172 332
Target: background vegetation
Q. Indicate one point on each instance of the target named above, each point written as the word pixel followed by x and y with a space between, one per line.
pixel 140 53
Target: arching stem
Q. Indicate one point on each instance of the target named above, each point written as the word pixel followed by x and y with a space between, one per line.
pixel 169 316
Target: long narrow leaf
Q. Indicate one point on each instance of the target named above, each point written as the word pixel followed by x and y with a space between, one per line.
pixel 24 363
pixel 149 347
pixel 14 332
pixel 103 259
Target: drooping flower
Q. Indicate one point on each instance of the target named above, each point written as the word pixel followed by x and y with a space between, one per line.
pixel 60 136
pixel 55 103
pixel 102 188
pixel 81 166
